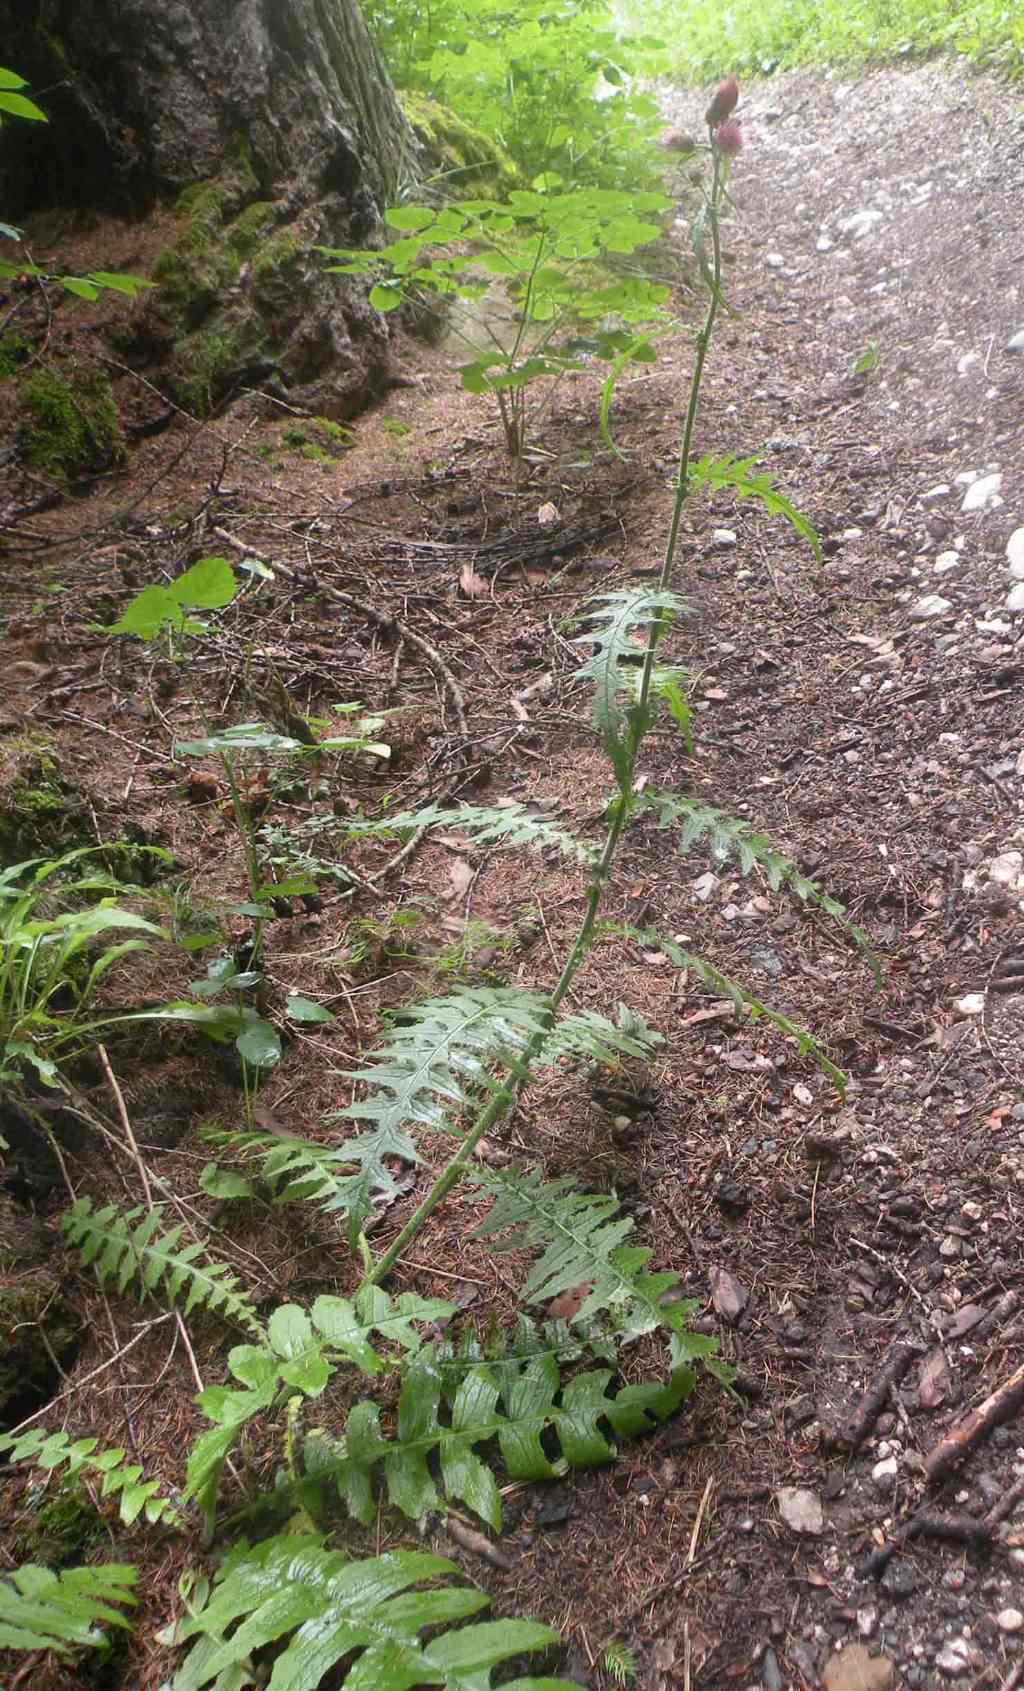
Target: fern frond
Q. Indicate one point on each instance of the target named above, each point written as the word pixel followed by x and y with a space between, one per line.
pixel 524 1407
pixel 43 1610
pixel 731 838
pixel 498 825
pixel 53 1450
pixel 123 1248
pixel 590 1035
pixel 300 1354
pixel 743 1000
pixel 734 472
pixel 421 1072
pixel 298 1170
pixel 318 1606
pixel 582 1239
pixel 612 624
pixel 620 1663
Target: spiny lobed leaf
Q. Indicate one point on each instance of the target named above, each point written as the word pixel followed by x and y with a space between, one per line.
pixel 124 1248
pixel 53 1450
pixel 299 1170
pixel 497 825
pixel 744 1001
pixel 43 1610
pixel 730 837
pixel 734 472
pixel 581 1236
pixel 319 1606
pixel 426 1070
pixel 612 623
pixel 518 1405
pixel 300 1354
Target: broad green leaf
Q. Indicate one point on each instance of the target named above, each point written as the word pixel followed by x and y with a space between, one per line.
pixel 220 1182
pixel 259 1042
pixel 207 586
pixel 20 106
pixel 299 1009
pixel 151 611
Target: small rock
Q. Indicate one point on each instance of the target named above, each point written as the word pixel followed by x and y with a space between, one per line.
pixel 949 1249
pixel 704 886
pixel 972 1004
pixel 971 1211
pixel 801 1510
pixel 930 605
pixel 1015 553
pixel 860 223
pixel 1009 1620
pixel 774 260
pixel 946 561
pixel 553 1513
pixel 933 493
pixel 1006 869
pixel 770 1674
pixel 1016 342
pixel 967 363
pixel 733 1199
pixel 855 1669
pixel 723 538
pixel 954 1658
pixel 898 1580
pixel 883 1474
pixel 1015 597
pixel 983 494
pixel 867 1620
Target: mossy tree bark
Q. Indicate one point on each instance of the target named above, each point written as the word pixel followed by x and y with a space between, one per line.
pixel 283 107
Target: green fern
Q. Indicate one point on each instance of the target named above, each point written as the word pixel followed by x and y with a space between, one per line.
pixel 523 1407
pixel 318 1606
pixel 499 825
pixel 582 1237
pixel 734 472
pixel 300 1354
pixel 738 995
pixel 619 1663
pixel 441 1056
pixel 611 628
pixel 123 1248
pixel 43 1610
pixel 730 837
pixel 298 1170
pixel 53 1450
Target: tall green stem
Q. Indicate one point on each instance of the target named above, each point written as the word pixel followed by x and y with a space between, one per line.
pixel 520 1070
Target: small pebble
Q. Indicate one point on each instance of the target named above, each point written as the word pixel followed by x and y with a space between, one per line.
pixel 723 537
pixel 1009 1620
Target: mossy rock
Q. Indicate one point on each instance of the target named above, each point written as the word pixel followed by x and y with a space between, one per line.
pixel 40 812
pixel 62 1530
pixel 69 427
pixel 14 349
pixel 318 439
pixel 466 162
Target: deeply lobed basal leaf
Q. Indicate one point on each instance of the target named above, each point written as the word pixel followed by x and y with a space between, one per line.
pixel 315 1607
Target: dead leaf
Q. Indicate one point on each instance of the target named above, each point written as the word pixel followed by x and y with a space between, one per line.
pixel 727 1295
pixel 202 787
pixel 470 1539
pixel 933 1387
pixel 473 586
pixel 548 514
pixel 460 879
pixel 570 1302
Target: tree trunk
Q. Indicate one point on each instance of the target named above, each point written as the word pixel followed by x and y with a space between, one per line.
pixel 284 110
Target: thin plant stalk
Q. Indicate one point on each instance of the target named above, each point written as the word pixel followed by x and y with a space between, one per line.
pixel 519 1071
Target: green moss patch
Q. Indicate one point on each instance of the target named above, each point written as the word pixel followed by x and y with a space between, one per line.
pixel 69 424
pixel 318 439
pixel 464 160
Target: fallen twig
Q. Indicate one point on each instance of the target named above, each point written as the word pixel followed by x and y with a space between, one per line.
pixel 855 1429
pixel 998 1407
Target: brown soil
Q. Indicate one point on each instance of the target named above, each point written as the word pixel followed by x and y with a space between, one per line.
pixel 876 746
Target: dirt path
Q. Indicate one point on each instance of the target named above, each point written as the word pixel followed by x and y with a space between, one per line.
pixel 864 713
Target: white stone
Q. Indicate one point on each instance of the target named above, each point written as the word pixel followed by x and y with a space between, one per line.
pixel 946 561
pixel 801 1510
pixel 1016 342
pixel 884 1473
pixel 1006 869
pixel 931 605
pixel 972 1004
pixel 967 363
pixel 966 477
pixel 954 1658
pixel 983 494
pixel 860 223
pixel 774 260
pixel 939 491
pixel 1015 597
pixel 1009 1620
pixel 723 537
pixel 1015 553
pixel 704 886
pixel 823 244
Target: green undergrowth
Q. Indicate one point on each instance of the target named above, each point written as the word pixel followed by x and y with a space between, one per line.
pixel 69 426
pixel 462 158
pixel 706 40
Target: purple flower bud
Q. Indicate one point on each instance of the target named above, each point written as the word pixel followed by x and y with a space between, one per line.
pixel 728 138
pixel 723 102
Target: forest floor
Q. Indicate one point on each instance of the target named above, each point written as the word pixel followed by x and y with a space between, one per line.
pixel 861 1260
